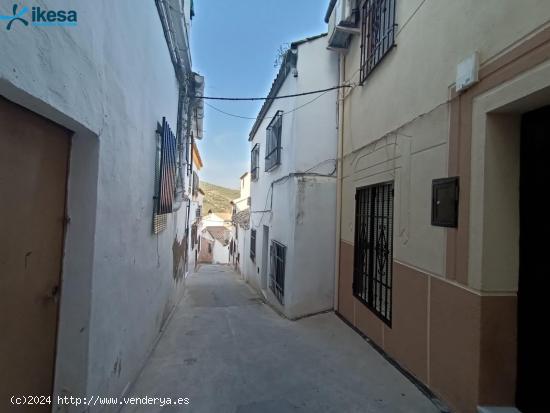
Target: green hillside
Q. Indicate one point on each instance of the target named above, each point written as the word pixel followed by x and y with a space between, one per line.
pixel 217 198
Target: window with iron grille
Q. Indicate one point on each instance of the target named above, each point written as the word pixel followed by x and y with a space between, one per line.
pixel 373 251
pixel 273 142
pixel 377 33
pixel 253 244
pixel 255 162
pixel 277 270
pixel 165 175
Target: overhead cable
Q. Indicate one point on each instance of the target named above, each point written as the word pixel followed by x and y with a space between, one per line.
pixel 312 92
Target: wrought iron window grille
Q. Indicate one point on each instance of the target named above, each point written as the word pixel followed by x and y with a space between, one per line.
pixel 273 142
pixel 165 175
pixel 277 252
pixel 255 162
pixel 373 251
pixel 253 245
pixel 378 29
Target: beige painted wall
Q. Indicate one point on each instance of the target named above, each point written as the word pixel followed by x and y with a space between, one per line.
pixel 433 36
pixel 396 126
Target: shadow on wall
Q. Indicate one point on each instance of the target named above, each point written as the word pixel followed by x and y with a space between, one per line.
pixel 179 251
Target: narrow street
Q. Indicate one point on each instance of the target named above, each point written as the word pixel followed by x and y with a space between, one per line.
pixel 227 351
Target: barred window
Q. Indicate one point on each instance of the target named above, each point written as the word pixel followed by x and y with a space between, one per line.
pixel 373 250
pixel 253 244
pixel 273 142
pixel 255 162
pixel 377 33
pixel 165 175
pixel 277 270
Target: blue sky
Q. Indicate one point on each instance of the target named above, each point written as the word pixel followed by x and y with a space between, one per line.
pixel 234 44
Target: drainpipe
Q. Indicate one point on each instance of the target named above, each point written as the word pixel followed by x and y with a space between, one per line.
pixel 339 173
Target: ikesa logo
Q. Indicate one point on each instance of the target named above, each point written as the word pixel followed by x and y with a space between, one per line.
pixel 40 17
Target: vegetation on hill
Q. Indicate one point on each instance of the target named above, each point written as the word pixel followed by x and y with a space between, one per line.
pixel 217 198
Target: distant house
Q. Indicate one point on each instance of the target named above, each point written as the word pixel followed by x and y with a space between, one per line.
pixel 241 225
pixel 290 256
pixel 216 219
pixel 214 245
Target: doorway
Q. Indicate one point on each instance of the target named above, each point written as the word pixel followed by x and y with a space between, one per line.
pixel 534 226
pixel 265 256
pixel 34 155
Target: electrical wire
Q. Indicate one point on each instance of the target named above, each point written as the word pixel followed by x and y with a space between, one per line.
pixel 312 92
pixel 266 117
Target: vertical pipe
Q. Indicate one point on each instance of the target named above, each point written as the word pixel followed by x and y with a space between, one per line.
pixel 339 158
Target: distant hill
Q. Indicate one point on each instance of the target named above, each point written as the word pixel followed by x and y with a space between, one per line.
pixel 217 198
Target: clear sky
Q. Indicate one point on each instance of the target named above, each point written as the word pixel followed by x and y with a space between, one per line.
pixel 234 44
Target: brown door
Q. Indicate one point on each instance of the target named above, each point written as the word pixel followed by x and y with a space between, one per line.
pixel 533 272
pixel 34 154
pixel 206 253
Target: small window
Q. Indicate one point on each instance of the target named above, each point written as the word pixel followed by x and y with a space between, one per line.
pixel 273 142
pixel 377 33
pixel 445 202
pixel 255 162
pixel 277 270
pixel 253 244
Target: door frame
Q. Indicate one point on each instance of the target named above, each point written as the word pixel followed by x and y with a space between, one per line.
pixel 74 309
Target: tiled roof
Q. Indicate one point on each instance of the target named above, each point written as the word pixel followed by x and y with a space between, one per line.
pixel 242 218
pixel 219 233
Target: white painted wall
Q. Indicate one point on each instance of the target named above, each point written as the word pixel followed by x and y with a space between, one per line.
pixel 110 79
pixel 196 203
pixel 308 144
pixel 220 253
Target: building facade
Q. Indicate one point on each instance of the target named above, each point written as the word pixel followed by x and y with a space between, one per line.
pixel 94 143
pixel 293 189
pixel 195 210
pixel 445 106
pixel 241 224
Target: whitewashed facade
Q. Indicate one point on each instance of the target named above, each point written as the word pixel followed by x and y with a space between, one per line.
pixel 241 225
pixel 108 80
pixel 293 190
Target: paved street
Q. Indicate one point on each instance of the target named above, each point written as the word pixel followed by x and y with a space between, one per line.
pixel 228 352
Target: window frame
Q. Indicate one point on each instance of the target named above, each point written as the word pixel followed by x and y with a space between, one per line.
pixel 255 162
pixel 376 42
pixel 273 138
pixel 373 248
pixel 253 245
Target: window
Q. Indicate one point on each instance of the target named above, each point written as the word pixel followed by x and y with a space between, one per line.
pixel 253 244
pixel 373 252
pixel 255 162
pixel 165 175
pixel 273 142
pixel 277 270
pixel 377 33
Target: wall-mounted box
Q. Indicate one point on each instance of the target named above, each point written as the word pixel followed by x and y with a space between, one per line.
pixel 445 193
pixel 467 72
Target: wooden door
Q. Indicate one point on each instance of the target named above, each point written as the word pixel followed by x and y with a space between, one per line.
pixel 34 155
